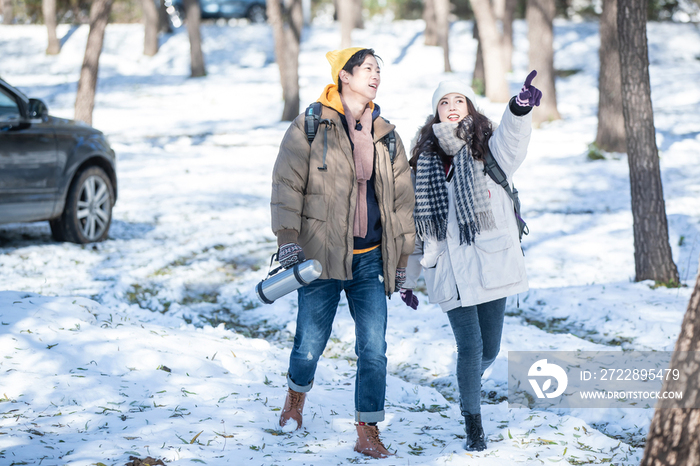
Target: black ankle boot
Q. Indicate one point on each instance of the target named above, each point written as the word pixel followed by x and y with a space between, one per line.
pixel 475 433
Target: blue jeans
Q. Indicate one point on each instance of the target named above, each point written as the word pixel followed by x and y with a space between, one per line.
pixel 477 331
pixel 318 303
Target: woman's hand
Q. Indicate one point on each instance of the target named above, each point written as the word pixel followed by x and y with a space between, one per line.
pixel 529 95
pixel 409 298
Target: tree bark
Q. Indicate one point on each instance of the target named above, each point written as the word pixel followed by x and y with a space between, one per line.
pixel 479 76
pixel 431 35
pixel 495 83
pixel 346 16
pixel 509 7
pixel 87 84
pixel 359 20
pixel 163 19
pixel 652 251
pixel 674 434
pixel 442 14
pixel 150 36
pixel 540 34
pixel 7 13
pixel 194 18
pixel 611 121
pixel 505 11
pixel 48 8
pixel 287 22
pixel 77 13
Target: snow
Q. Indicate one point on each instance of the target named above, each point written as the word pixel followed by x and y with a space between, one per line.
pixel 153 343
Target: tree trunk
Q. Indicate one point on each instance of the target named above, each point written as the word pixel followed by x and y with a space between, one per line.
pixel 7 13
pixel 49 10
pixel 287 26
pixel 495 83
pixel 87 84
pixel 652 252
pixel 431 35
pixel 346 16
pixel 479 77
pixel 150 36
pixel 540 34
pixel 507 41
pixel 306 9
pixel 674 434
pixel 359 20
pixel 77 13
pixel 194 18
pixel 505 10
pixel 611 121
pixel 442 14
pixel 163 19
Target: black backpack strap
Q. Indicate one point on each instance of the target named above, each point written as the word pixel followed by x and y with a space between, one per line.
pixel 390 141
pixel 311 120
pixel 497 174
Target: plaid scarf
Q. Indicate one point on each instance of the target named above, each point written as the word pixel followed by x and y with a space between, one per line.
pixel 472 203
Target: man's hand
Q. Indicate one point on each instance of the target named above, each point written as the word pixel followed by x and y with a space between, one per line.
pixel 290 254
pixel 400 278
pixel 529 95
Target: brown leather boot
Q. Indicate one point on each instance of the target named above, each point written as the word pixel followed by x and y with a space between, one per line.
pixel 293 406
pixel 368 442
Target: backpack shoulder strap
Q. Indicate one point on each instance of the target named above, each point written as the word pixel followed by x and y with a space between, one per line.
pixel 390 142
pixel 497 174
pixel 311 120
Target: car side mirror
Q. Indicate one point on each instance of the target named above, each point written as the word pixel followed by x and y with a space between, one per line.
pixel 38 110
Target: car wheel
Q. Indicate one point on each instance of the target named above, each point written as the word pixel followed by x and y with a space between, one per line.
pixel 257 14
pixel 87 214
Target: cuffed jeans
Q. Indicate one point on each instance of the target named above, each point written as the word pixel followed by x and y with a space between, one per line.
pixel 477 331
pixel 318 303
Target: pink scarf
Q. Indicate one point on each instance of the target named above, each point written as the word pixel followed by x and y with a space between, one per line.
pixel 363 155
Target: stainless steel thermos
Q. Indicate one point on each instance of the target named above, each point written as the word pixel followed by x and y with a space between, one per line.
pixel 287 281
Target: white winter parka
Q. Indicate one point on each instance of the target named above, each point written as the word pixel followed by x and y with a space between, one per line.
pixel 493 267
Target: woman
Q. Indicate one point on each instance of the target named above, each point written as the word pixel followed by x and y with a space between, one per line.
pixel 468 241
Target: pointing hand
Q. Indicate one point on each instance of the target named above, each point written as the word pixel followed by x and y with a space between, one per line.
pixel 529 95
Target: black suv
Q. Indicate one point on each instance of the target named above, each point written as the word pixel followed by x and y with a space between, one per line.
pixel 54 169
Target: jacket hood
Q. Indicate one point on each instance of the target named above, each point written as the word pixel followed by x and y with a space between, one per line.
pixel 331 98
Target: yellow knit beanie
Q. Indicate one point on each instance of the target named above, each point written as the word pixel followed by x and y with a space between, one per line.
pixel 338 59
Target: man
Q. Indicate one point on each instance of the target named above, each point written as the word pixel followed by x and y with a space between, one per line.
pixel 346 202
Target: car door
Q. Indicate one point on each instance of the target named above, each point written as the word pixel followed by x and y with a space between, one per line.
pixel 28 164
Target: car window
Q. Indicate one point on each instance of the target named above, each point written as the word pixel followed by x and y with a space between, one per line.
pixel 8 107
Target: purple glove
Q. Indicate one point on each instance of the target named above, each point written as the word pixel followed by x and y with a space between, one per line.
pixel 400 278
pixel 290 254
pixel 409 298
pixel 529 95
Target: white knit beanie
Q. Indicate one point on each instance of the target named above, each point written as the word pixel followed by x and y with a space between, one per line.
pixel 449 87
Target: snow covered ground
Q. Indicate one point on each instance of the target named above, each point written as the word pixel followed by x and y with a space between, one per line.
pixel 152 343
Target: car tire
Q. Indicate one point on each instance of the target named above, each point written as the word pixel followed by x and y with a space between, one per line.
pixel 87 214
pixel 257 14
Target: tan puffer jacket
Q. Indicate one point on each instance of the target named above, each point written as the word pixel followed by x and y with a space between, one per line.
pixel 315 208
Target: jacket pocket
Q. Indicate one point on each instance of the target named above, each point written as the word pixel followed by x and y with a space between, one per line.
pixel 315 207
pixel 440 280
pixel 498 262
